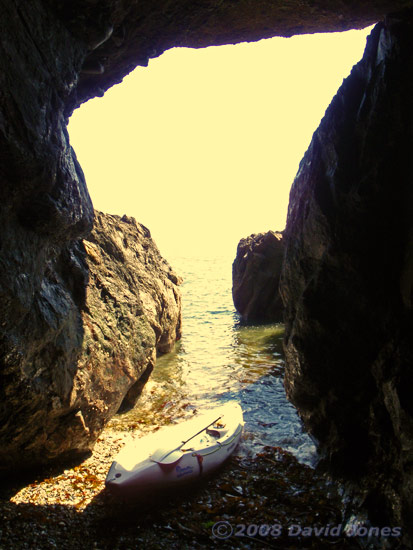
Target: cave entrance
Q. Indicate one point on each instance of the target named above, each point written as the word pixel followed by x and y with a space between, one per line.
pixel 203 145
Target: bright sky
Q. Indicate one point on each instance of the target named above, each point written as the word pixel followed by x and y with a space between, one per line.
pixel 203 145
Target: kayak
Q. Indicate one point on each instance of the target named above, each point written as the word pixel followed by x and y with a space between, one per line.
pixel 177 454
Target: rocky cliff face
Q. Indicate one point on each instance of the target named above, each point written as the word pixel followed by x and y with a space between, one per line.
pixel 255 277
pixel 110 305
pixel 348 278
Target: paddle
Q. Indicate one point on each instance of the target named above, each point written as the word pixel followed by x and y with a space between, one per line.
pixel 169 457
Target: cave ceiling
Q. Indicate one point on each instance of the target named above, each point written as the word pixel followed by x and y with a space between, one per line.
pixel 122 34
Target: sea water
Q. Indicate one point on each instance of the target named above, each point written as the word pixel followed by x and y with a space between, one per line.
pixel 218 359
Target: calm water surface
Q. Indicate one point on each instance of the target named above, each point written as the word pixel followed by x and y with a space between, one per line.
pixel 219 359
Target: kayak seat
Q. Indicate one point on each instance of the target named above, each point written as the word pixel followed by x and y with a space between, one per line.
pixel 218 433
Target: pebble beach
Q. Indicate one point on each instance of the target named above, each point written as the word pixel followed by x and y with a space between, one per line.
pixel 250 503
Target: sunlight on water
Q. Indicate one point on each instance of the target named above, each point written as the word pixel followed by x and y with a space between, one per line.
pixel 219 359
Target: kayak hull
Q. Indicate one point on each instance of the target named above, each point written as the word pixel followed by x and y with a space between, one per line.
pixel 146 467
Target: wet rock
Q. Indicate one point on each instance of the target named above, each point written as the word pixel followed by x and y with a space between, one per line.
pixel 255 277
pixel 347 279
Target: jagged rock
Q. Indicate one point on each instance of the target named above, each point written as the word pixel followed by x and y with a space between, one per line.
pixel 255 277
pixel 348 277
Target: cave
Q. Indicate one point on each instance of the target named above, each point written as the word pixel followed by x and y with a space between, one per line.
pixel 347 275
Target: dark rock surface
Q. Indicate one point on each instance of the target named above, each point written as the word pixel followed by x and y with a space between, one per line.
pixel 255 277
pixel 348 277
pixel 44 207
pixel 120 34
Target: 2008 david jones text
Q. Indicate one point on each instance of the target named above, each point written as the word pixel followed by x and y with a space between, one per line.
pixel 224 530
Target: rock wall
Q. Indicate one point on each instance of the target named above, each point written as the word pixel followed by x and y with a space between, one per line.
pixel 44 208
pixel 255 277
pixel 348 277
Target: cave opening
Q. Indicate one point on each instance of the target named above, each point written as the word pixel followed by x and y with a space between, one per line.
pixel 203 145
pixel 202 148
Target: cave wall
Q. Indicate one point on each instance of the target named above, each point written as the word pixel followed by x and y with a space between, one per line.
pixel 44 208
pixel 348 276
pixel 121 34
pixel 57 390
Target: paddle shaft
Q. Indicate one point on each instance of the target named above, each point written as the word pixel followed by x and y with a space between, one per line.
pixel 192 437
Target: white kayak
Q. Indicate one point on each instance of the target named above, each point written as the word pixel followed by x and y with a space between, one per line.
pixel 178 454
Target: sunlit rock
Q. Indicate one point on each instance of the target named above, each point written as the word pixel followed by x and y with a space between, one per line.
pixel 132 314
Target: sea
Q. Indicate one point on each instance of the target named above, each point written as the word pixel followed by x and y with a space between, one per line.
pixel 218 359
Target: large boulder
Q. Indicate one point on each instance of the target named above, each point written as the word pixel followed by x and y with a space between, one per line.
pixel 132 314
pixel 255 277
pixel 111 306
pixel 348 277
